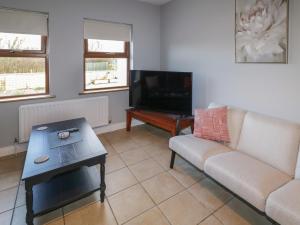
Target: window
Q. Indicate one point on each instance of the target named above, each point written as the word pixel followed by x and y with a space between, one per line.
pixel 23 54
pixel 106 64
pixel 107 55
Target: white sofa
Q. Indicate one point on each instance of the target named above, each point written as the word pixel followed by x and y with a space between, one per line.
pixel 259 164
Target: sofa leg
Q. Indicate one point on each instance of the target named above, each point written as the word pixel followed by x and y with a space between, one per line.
pixel 172 159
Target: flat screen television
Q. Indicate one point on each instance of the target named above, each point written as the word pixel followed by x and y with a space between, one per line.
pixel 161 91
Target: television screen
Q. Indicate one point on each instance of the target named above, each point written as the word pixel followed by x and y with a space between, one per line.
pixel 169 92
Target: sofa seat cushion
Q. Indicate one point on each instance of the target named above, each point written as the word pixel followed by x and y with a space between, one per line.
pixel 196 150
pixel 247 177
pixel 283 205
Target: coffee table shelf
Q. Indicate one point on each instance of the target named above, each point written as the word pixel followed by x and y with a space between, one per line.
pixel 65 189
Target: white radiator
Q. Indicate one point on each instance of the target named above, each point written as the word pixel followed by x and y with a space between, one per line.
pixel 95 110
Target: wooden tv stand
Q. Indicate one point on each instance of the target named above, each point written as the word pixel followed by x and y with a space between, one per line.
pixel 169 122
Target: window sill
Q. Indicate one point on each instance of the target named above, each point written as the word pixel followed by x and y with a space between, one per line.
pixel 25 98
pixel 104 91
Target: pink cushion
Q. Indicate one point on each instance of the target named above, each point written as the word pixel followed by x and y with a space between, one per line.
pixel 211 124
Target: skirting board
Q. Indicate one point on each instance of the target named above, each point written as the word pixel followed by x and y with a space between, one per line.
pixel 17 148
pixel 115 126
pixel 12 149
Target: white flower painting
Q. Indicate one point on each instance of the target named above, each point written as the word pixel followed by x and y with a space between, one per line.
pixel 261 31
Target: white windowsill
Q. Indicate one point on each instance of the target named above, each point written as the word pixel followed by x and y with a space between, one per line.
pixel 25 98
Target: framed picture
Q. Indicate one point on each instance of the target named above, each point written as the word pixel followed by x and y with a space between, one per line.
pixel 261 31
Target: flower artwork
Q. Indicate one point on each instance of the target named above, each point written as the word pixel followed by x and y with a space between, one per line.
pixel 261 31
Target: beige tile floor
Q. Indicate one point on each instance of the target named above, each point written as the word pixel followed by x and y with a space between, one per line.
pixel 141 189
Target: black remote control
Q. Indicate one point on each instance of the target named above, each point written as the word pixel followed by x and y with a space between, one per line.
pixel 72 130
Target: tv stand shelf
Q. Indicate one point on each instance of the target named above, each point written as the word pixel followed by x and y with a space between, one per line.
pixel 169 122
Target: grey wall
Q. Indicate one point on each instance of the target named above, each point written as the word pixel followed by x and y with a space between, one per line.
pixel 198 36
pixel 66 49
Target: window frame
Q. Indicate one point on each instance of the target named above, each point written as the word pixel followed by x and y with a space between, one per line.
pixel 124 55
pixel 43 53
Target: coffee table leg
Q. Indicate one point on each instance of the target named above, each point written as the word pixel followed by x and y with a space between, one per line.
pixel 29 203
pixel 102 185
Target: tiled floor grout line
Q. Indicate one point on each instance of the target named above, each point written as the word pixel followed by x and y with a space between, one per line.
pixel 6 211
pixel 112 210
pixel 211 211
pixel 133 164
pixel 111 195
pixel 164 215
pixel 6 189
pixel 218 219
pixel 131 139
pixel 182 182
pixel 148 178
pixel 12 216
pixel 204 218
pixel 126 187
pixel 132 149
pixel 63 214
pixel 140 184
pixel 16 199
pixel 138 215
pixel 150 157
pixel 138 145
pixel 185 188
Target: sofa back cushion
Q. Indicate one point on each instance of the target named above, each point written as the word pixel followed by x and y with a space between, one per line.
pixel 235 119
pixel 271 140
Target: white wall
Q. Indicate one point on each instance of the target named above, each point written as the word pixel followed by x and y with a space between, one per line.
pixel 66 49
pixel 198 36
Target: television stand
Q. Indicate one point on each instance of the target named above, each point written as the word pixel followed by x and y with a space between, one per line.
pixel 169 122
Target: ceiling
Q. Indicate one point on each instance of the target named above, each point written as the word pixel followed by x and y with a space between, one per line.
pixel 156 2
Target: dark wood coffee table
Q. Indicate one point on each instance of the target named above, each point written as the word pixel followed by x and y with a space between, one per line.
pixel 70 173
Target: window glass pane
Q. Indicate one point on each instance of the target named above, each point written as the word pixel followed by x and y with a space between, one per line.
pixel 22 76
pixel 105 73
pixel 10 41
pixel 106 46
